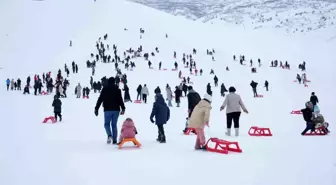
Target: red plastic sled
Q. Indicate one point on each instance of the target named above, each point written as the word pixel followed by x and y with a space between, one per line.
pixel 259 96
pixel 44 93
pixel 137 101
pixel 186 66
pixel 165 69
pixel 223 146
pixel 317 132
pixel 174 69
pixel 51 118
pixel 192 130
pixel 85 97
pixel 305 85
pixel 258 131
pixel 296 112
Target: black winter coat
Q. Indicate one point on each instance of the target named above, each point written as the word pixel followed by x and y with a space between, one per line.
pixel 178 94
pixel 57 104
pixel 160 111
pixel 111 98
pixel 307 114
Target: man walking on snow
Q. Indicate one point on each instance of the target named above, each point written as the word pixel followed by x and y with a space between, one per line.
pixel 112 101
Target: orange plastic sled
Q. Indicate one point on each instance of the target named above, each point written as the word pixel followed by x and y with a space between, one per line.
pixel 134 140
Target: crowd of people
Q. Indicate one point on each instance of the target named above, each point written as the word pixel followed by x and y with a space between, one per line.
pixel 199 109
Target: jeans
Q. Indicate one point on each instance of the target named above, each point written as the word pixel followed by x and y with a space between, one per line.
pixel 111 119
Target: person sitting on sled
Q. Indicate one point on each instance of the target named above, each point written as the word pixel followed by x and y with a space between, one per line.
pixel 199 119
pixel 128 130
pixel 319 121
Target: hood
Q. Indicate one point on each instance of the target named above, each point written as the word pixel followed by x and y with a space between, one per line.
pixel 204 103
pixel 191 91
pixel 159 98
pixel 111 81
pixel 128 123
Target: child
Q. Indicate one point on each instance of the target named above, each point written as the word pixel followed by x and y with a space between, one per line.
pixel 161 113
pixel 199 119
pixel 128 130
pixel 57 104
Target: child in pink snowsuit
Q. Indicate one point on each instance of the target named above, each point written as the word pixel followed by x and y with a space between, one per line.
pixel 128 130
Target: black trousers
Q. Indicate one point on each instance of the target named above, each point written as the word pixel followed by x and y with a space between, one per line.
pixel 161 130
pixel 138 96
pixel 59 115
pixel 232 116
pixel 144 98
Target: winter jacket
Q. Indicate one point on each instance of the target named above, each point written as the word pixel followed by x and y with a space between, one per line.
pixel 128 129
pixel 193 99
pixel 57 104
pixel 200 115
pixel 233 103
pixel 254 84
pixel 160 111
pixel 307 114
pixel 8 82
pixel 144 90
pixel 78 90
pixel 111 98
pixel 60 89
pixel 314 99
pixel 169 94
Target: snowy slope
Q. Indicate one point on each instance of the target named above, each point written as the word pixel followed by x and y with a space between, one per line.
pixel 74 151
pixel 286 15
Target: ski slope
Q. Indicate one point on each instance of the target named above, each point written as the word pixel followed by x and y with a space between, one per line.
pixel 35 38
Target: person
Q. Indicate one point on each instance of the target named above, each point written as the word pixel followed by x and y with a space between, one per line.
pixel 313 98
pixel 57 104
pixel 128 130
pixel 8 83
pixel 199 119
pixel 307 114
pixel 233 104
pixel 112 101
pixel 161 113
pixel 193 99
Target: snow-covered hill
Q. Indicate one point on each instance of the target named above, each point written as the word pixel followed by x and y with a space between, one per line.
pixel 291 16
pixel 35 39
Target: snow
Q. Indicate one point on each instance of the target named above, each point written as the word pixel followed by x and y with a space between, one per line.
pixel 35 38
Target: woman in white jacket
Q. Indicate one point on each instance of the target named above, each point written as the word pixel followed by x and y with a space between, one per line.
pixel 233 104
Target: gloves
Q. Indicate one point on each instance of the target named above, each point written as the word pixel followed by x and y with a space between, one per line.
pixel 206 124
pixel 246 111
pixel 152 120
pixel 96 112
pixel 122 112
pixel 221 108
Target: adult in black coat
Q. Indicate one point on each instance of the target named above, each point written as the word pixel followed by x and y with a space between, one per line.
pixel 307 114
pixel 209 91
pixel 254 85
pixel 223 90
pixel 112 101
pixel 127 96
pixel 178 94
pixel 57 104
pixel 139 92
pixel 313 98
pixel 193 99
pixel 157 90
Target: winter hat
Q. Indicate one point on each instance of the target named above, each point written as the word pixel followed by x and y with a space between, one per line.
pixel 190 88
pixel 313 93
pixel 232 89
pixel 208 97
pixel 157 90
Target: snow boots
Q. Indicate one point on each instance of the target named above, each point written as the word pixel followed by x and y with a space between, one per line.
pixel 228 132
pixel 161 138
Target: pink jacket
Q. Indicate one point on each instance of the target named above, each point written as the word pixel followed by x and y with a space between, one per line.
pixel 128 129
